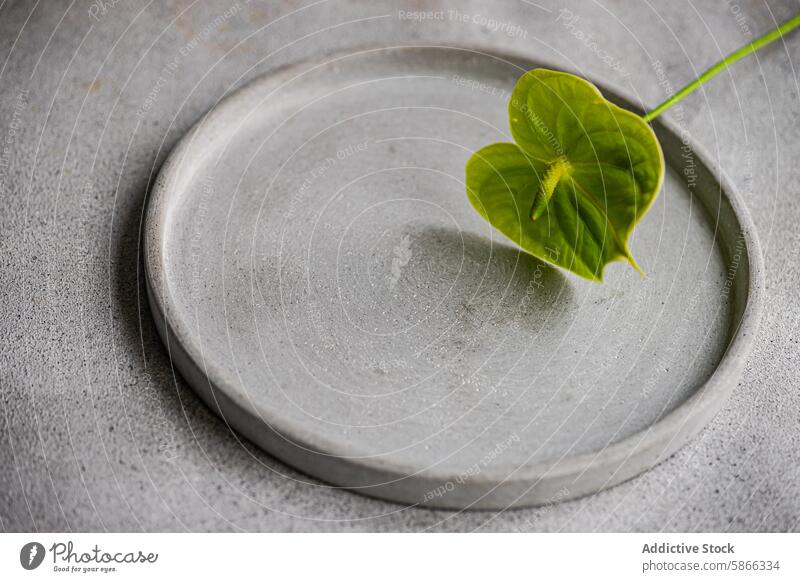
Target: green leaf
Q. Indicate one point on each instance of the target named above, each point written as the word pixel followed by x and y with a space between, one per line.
pixel 582 173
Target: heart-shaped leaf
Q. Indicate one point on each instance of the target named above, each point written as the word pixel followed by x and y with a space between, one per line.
pixel 582 173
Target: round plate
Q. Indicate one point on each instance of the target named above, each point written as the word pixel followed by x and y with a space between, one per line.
pixel 321 280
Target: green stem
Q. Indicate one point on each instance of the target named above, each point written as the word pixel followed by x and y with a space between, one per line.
pixel 772 35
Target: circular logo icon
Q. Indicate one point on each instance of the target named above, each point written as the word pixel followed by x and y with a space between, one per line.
pixel 31 555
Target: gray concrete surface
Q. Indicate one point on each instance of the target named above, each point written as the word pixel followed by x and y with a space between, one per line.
pixel 99 434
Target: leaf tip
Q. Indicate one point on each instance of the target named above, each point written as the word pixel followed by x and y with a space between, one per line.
pixel 632 263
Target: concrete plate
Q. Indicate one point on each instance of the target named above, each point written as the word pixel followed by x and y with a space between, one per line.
pixel 320 279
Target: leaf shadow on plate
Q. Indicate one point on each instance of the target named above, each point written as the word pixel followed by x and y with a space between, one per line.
pixel 492 280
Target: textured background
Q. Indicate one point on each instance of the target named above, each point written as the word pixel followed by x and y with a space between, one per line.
pixel 97 433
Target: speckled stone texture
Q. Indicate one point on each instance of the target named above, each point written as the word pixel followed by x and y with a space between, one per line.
pixel 99 434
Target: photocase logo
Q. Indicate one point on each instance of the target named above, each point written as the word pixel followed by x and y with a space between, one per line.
pixel 31 555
